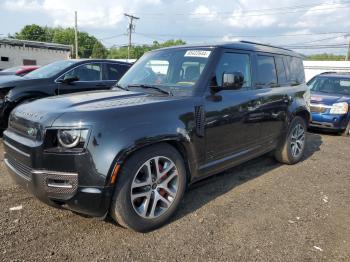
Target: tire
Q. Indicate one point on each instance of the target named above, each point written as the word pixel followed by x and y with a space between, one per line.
pixel 157 204
pixel 286 151
pixel 347 130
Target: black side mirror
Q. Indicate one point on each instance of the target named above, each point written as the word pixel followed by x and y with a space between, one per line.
pixel 232 81
pixel 67 79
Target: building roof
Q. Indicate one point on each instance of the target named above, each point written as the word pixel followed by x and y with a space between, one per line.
pixel 34 44
pixel 245 45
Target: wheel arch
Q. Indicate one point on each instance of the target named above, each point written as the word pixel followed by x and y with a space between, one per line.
pixel 15 101
pixel 177 144
pixel 305 114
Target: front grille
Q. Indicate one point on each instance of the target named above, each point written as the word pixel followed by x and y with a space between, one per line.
pixel 21 169
pixel 318 109
pixel 55 184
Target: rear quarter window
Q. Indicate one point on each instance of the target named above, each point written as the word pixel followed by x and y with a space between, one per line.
pixel 267 75
pixel 295 70
pixel 281 71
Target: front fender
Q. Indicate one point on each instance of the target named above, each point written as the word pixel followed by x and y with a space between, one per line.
pixel 108 148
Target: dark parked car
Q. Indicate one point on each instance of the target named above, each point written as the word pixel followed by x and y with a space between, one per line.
pixel 178 115
pixel 18 70
pixel 330 101
pixel 61 77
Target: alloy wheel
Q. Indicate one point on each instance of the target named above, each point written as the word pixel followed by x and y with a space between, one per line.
pixel 297 140
pixel 154 187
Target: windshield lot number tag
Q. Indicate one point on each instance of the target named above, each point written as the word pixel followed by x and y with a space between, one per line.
pixel 198 53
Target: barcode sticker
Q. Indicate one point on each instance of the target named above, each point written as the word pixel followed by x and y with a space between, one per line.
pixel 198 53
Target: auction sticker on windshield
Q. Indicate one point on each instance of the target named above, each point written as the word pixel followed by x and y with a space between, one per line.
pixel 198 53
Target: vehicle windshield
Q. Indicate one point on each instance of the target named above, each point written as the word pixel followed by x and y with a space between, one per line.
pixel 330 85
pixel 50 70
pixel 173 70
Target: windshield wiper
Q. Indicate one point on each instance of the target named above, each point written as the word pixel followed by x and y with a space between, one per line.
pixel 121 87
pixel 161 90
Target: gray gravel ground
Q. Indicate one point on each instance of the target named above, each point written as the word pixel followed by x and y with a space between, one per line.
pixel 258 211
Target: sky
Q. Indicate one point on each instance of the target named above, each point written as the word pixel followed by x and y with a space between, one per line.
pixel 307 26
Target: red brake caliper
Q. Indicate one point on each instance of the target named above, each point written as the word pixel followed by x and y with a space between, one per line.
pixel 162 192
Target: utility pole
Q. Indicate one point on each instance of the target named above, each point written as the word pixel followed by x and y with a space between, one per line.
pixel 76 35
pixel 348 52
pixel 131 29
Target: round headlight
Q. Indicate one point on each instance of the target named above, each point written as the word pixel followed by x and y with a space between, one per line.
pixel 68 138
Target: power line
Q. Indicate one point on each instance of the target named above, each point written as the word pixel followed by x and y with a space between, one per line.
pixel 252 10
pixel 238 36
pixel 334 46
pixel 113 36
pixel 322 7
pixel 317 40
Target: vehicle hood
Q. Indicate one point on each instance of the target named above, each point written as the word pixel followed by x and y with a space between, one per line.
pixel 15 81
pixel 328 99
pixel 7 73
pixel 83 107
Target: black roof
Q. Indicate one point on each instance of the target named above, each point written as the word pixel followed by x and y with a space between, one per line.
pixel 81 60
pixel 336 74
pixel 244 45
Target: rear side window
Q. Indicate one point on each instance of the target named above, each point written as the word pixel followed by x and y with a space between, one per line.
pixel 87 72
pixel 115 71
pixel 234 62
pixel 267 75
pixel 295 70
pixel 281 71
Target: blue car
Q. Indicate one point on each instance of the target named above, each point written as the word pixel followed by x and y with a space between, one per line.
pixel 330 101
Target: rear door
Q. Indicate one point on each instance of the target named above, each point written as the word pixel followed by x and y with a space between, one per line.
pixel 271 85
pixel 90 78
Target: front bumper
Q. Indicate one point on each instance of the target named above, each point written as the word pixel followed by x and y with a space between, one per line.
pixel 329 121
pixel 56 188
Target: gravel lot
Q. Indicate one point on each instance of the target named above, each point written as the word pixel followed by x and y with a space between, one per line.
pixel 259 211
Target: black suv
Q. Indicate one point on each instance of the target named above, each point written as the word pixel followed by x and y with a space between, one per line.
pixel 178 115
pixel 61 77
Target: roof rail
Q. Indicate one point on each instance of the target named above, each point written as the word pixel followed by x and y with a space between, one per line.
pixel 328 72
pixel 256 43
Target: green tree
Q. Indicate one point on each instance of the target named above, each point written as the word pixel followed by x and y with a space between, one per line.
pixel 325 57
pixel 118 53
pixel 99 51
pixel 32 32
pixel 138 50
pixel 61 36
pixel 66 36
